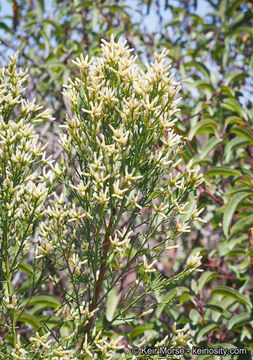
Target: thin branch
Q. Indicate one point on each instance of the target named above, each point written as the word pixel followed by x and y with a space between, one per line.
pixel 101 276
pixel 203 190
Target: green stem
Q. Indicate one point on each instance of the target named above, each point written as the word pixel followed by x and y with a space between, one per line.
pixel 8 280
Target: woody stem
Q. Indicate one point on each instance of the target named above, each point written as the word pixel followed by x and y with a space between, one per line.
pixel 101 275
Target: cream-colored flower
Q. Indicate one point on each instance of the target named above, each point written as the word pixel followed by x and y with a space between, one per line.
pixel 117 191
pixel 148 268
pixel 181 227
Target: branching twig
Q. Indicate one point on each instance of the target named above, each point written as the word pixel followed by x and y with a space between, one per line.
pixel 102 270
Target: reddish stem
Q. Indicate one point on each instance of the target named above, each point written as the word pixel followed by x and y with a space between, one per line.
pixel 101 275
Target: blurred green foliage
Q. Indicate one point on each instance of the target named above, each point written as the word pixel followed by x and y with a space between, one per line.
pixel 213 59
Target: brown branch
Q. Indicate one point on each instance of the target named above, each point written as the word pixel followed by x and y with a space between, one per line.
pixel 203 190
pixel 101 275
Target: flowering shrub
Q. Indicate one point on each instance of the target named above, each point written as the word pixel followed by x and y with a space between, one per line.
pixel 24 186
pixel 120 204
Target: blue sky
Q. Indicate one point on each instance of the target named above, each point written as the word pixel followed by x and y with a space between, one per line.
pixel 151 22
pixel 5 8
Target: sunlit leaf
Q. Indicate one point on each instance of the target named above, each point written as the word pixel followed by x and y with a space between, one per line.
pixel 230 292
pixel 201 127
pixel 112 303
pixel 230 209
pixel 222 170
pixel 242 226
pixel 239 320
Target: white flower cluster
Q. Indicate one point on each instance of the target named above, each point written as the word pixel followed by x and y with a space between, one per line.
pixel 124 235
pixel 100 347
pixel 120 136
pixel 193 263
pixel 182 337
pixel 23 187
pixel 43 347
pixel 63 216
pixel 148 268
pixel 119 108
pixel 81 313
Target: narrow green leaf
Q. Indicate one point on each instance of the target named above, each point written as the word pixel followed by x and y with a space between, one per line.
pixel 116 9
pixel 232 293
pixel 42 5
pixel 205 330
pixel 221 170
pixel 232 105
pixel 226 247
pixel 30 320
pixel 238 189
pixel 242 18
pixel 139 330
pixel 26 268
pixel 226 52
pixel 176 20
pixel 37 309
pixel 222 8
pixel 232 7
pixel 242 226
pixel 230 209
pixel 209 146
pixel 112 303
pixel 49 300
pixel 188 153
pixel 246 333
pixel 205 278
pixel 245 213
pixel 227 91
pixel 244 132
pixel 234 144
pixel 95 16
pixel 200 126
pixel 52 320
pixel 194 316
pixel 86 4
pixel 167 299
pixel 6 28
pixel 201 67
pixel 218 309
pixel 44 35
pixel 233 120
pixel 239 320
pixel 246 181
pixel 185 297
pixel 234 77
pixel 201 45
pixel 56 26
